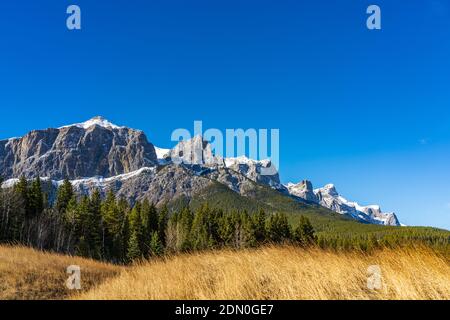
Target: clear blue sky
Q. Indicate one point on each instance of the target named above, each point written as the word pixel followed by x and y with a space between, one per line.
pixel 366 110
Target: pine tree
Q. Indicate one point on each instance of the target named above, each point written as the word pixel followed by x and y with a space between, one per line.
pixel 171 233
pixel 83 228
pixel 134 250
pixel 77 222
pixel 97 228
pixel 112 222
pixel 71 224
pixel 278 228
pixel 199 236
pixel 304 233
pixel 22 190
pixel 64 195
pixel 36 198
pixel 247 232
pixel 163 217
pixel 156 246
pixel 226 229
pixel 238 228
pixel 137 229
pixel 149 216
pixel 184 225
pixel 14 214
pixel 124 210
pixel 259 225
pixel 82 249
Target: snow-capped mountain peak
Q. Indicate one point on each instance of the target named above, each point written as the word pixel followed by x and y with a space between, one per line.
pixel 95 147
pixel 302 190
pixel 245 160
pixel 101 152
pixel 98 120
pixel 162 153
pixel 197 151
pixel 329 197
pixel 329 189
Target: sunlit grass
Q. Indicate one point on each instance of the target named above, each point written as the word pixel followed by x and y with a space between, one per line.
pixel 283 273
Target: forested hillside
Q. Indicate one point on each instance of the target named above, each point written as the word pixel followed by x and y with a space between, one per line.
pixel 110 229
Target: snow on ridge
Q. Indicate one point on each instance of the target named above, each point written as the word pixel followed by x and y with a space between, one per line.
pixel 96 180
pixel 99 180
pixel 330 198
pixel 9 140
pixel 99 121
pixel 245 160
pixel 351 204
pixel 9 183
pixel 162 153
pixel 290 184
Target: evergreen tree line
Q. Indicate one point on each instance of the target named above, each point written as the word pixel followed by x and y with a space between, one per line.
pixel 110 229
pixel 391 238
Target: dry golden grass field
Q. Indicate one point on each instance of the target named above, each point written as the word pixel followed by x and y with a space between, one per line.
pixel 283 273
pixel 266 273
pixel 27 274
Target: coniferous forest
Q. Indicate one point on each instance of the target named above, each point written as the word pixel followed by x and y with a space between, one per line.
pixel 110 229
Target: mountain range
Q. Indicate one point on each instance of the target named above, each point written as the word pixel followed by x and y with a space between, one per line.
pixel 97 154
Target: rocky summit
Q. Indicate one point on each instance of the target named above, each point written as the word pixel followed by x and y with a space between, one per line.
pixel 328 197
pixel 98 154
pixel 93 148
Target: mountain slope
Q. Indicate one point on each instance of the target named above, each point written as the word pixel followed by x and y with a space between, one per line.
pixel 93 148
pixel 97 154
pixel 329 198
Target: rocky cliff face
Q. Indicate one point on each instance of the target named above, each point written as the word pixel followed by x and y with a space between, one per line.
pixel 303 190
pixel 195 151
pixel 159 185
pixel 253 169
pixel 198 153
pixel 328 197
pixel 97 154
pixel 92 148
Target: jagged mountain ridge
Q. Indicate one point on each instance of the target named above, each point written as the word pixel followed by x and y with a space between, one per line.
pixel 97 154
pixel 93 148
pixel 328 197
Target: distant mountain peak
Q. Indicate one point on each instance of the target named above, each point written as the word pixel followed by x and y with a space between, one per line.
pixel 99 153
pixel 96 147
pixel 329 197
pixel 97 120
pixel 246 160
pixel 330 189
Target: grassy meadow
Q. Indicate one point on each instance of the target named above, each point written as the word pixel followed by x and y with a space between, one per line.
pixel 273 272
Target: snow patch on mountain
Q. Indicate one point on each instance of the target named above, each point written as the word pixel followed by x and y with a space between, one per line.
pixel 96 121
pixel 97 181
pixel 302 190
pixel 100 181
pixel 329 197
pixel 162 153
pixel 48 150
pixel 243 160
pixel 253 170
pixel 9 183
